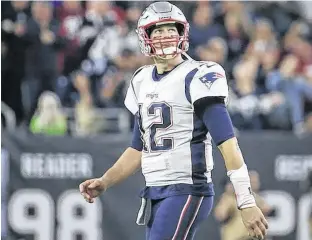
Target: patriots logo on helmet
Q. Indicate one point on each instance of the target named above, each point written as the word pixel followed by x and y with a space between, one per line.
pixel 209 78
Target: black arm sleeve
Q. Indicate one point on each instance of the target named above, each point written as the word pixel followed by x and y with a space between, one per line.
pixel 212 111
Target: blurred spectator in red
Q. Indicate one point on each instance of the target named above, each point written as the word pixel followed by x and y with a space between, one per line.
pixel 296 30
pixel 14 17
pixel 302 49
pixel 99 43
pixel 70 15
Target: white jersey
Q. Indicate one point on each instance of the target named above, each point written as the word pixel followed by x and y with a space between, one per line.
pixel 177 145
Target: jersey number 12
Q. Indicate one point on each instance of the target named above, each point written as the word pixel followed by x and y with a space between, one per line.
pixel 164 112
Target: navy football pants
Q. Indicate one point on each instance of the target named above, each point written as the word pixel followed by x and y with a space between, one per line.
pixel 177 217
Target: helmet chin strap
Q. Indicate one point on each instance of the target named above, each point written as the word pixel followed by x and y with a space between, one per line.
pixel 187 56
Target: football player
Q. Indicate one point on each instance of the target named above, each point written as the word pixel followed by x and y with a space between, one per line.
pixel 179 107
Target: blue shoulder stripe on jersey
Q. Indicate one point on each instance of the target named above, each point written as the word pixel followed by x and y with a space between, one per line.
pixel 197 144
pixel 198 151
pixel 188 79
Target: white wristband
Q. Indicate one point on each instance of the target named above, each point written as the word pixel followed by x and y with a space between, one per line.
pixel 241 183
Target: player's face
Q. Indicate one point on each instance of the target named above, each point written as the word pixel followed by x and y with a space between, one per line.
pixel 164 37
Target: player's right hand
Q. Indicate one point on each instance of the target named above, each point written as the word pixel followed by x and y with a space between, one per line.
pixel 92 188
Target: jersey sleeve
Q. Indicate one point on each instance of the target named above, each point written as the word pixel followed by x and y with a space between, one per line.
pixel 208 81
pixel 131 101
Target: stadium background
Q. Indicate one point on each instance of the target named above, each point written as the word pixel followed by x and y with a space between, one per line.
pixel 77 58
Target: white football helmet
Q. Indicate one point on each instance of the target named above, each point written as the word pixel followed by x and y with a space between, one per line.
pixel 162 13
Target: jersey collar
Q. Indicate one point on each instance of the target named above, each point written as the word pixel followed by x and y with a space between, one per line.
pixel 157 77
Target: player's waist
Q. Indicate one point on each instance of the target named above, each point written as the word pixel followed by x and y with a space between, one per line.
pixel 159 192
pixel 176 164
pixel 164 178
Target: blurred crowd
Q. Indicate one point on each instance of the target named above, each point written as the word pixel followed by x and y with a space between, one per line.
pixel 81 55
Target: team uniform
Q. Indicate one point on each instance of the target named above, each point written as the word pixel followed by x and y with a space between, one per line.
pixel 178 114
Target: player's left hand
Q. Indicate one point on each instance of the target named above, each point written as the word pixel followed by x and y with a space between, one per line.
pixel 255 222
